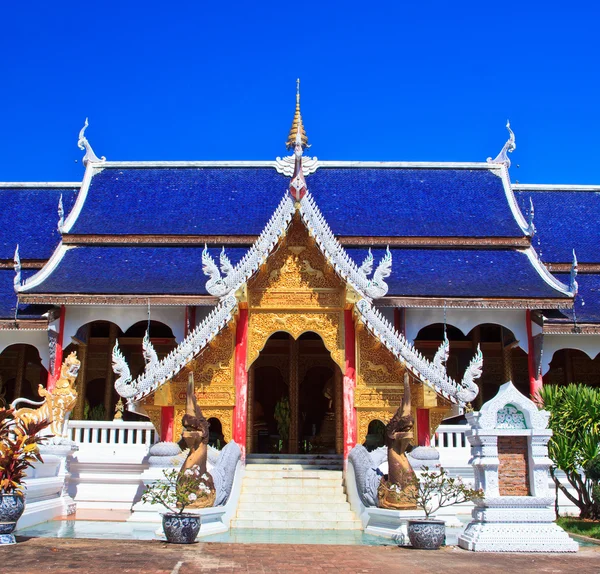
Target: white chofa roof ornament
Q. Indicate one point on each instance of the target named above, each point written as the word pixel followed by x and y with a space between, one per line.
pixel 84 144
pixel 509 147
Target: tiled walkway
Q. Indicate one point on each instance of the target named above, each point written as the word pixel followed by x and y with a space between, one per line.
pixel 61 556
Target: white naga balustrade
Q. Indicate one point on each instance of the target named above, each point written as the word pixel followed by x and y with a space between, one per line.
pixel 122 433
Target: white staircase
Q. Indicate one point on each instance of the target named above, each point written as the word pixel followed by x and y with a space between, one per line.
pixel 294 492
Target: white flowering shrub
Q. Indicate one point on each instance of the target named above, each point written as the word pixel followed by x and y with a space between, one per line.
pixel 178 489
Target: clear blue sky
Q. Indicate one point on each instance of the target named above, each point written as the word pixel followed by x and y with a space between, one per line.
pixel 391 80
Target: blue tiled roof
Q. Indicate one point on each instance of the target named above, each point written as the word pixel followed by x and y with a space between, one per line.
pixel 132 270
pixel 181 201
pixel 355 201
pixel 413 202
pixel 565 220
pixel 8 298
pixel 178 270
pixel 587 302
pixel 29 217
pixel 461 273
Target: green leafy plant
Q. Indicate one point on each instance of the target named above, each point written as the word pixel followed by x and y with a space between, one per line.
pixel 282 416
pixel 436 489
pixel 178 489
pixel 19 450
pixel 97 413
pixel 575 444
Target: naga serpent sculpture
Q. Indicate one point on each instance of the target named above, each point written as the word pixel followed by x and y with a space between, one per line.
pixel 195 437
pixel 399 433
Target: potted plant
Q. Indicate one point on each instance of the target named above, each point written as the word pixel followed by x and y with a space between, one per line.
pixel 433 490
pixel 176 492
pixel 19 442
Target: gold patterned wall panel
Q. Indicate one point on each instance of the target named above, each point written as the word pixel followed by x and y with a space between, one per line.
pixel 213 373
pixel 296 291
pixel 225 416
pixel 328 325
pixel 364 417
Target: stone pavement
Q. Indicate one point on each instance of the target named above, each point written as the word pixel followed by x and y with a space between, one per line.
pixel 38 555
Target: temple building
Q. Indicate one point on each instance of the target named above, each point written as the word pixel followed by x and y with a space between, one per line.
pixel 297 292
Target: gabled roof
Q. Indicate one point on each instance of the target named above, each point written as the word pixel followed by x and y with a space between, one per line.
pixel 159 372
pixel 358 199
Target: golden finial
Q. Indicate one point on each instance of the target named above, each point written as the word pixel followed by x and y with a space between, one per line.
pixel 291 141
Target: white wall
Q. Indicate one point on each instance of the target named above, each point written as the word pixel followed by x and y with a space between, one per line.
pixel 466 319
pixel 37 339
pixel 589 344
pixel 124 316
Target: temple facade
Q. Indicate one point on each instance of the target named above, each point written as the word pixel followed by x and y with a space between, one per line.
pixel 297 293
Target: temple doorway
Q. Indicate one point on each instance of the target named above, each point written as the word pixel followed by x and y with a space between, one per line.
pixel 295 398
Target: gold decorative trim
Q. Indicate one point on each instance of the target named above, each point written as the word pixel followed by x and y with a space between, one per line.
pixel 366 416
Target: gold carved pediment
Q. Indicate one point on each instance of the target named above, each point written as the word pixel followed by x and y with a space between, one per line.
pixel 296 291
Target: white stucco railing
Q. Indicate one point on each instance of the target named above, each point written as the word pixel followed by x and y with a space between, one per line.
pixel 452 444
pixel 112 433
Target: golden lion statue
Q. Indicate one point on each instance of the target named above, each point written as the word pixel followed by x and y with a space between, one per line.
pixel 57 404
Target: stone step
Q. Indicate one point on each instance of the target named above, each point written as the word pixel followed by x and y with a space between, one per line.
pixel 287 474
pixel 287 506
pixel 290 468
pixel 306 461
pixel 276 499
pixel 295 515
pixel 297 524
pixel 295 481
pixel 290 489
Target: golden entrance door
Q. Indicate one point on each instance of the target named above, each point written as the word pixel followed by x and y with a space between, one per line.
pixel 295 398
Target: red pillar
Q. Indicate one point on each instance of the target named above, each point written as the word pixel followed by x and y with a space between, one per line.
pixel 349 384
pixel 423 435
pixel 167 417
pixel 535 377
pixel 54 372
pixel 400 320
pixel 240 410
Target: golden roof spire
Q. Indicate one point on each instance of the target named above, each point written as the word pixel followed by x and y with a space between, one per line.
pixel 297 123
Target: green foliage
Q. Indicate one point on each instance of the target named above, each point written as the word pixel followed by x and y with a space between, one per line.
pixel 97 413
pixel 589 528
pixel 575 443
pixel 592 468
pixel 19 449
pixel 282 416
pixel 178 489
pixel 436 489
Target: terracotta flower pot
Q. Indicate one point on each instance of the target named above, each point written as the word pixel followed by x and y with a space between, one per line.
pixel 426 533
pixel 11 509
pixel 181 528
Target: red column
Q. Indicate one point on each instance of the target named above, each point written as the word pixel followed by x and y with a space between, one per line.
pixel 423 436
pixel 54 372
pixel 240 410
pixel 349 384
pixel 190 319
pixel 400 320
pixel 535 378
pixel 167 417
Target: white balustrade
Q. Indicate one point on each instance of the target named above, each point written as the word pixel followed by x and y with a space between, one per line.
pixel 452 444
pixel 122 433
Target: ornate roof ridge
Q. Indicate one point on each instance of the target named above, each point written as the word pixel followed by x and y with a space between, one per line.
pixel 343 264
pixel 39 184
pixel 255 256
pixel 434 376
pixel 157 373
pixel 545 274
pixel 115 164
pixel 556 187
pixel 49 267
